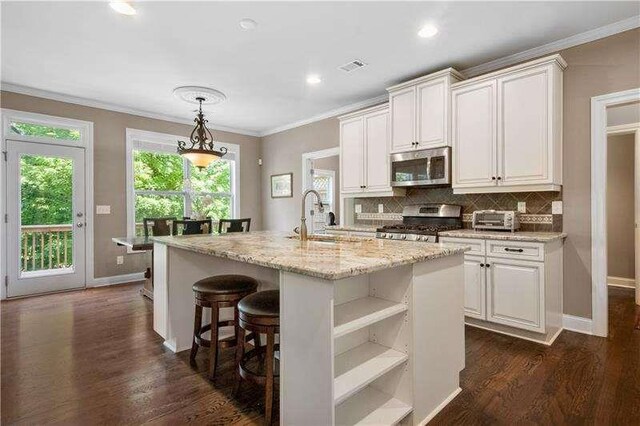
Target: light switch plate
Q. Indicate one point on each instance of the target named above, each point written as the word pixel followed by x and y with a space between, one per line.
pixel 556 207
pixel 103 209
pixel 358 208
pixel 522 207
pixel 380 208
pixel 119 260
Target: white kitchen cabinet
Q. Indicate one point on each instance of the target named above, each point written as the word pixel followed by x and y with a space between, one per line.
pixel 507 129
pixel 365 168
pixel 474 287
pixel 513 287
pixel 515 293
pixel 420 111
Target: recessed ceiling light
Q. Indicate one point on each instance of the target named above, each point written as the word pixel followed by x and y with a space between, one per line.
pixel 248 24
pixel 428 31
pixel 122 7
pixel 313 79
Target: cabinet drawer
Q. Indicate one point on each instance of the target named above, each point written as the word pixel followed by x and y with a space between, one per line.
pixel 477 246
pixel 515 250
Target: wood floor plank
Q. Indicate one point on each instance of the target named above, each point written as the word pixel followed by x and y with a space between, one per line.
pixel 91 357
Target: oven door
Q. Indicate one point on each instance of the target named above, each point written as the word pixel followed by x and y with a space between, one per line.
pixel 421 168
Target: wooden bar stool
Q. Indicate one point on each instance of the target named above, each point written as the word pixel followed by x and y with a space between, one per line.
pixel 259 313
pixel 220 291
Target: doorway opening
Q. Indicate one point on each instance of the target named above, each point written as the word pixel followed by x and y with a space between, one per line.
pixel 615 199
pixel 321 171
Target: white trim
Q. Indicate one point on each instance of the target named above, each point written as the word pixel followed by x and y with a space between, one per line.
pixel 168 143
pixel 623 129
pixel 314 155
pixel 621 282
pixel 332 113
pixel 555 46
pixel 116 279
pixel 86 142
pixel 61 97
pixel 599 293
pixel 439 408
pixel 577 324
pixel 513 334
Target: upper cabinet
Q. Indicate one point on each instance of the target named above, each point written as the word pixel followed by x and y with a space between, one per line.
pixel 420 112
pixel 365 168
pixel 507 129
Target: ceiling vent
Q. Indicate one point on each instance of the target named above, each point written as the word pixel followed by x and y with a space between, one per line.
pixel 352 66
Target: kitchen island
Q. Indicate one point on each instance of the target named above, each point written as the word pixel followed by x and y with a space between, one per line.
pixel 370 330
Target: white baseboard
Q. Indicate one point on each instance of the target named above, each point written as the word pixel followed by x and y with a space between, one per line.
pixel 621 282
pixel 440 407
pixel 116 279
pixel 577 324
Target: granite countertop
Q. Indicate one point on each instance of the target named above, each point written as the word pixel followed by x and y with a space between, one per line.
pixel 327 260
pixel 536 237
pixel 352 228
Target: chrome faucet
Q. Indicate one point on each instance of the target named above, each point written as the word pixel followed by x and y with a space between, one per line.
pixel 302 230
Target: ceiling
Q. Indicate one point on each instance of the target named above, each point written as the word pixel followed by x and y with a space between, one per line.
pixel 86 50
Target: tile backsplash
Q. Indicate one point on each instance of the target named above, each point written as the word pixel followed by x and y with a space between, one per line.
pixel 538 214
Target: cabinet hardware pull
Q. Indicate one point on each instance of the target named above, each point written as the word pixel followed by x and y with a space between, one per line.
pixel 488 265
pixel 482 265
pixel 499 177
pixel 493 178
pixel 514 250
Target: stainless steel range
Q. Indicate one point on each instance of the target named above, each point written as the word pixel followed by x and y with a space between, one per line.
pixel 422 222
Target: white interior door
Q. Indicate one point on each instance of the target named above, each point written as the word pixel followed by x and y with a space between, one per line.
pixel 45 218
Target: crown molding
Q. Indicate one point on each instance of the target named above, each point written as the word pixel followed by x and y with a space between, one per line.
pixel 333 113
pixel 54 96
pixel 555 46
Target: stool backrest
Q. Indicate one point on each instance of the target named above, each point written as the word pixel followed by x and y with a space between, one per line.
pixel 191 227
pixel 157 226
pixel 234 225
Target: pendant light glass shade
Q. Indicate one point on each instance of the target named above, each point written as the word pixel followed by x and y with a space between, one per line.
pixel 200 159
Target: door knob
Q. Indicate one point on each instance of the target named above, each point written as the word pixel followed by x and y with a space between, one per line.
pixel 80 224
pixel 79 214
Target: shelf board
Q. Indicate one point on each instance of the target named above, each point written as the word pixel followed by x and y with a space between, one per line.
pixel 360 313
pixel 371 407
pixel 358 367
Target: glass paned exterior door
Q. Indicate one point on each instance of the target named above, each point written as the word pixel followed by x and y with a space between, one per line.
pixel 46 218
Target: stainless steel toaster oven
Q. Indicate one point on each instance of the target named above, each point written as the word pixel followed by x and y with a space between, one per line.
pixel 497 220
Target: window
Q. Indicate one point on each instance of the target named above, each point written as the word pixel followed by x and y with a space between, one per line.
pixel 43 131
pixel 163 183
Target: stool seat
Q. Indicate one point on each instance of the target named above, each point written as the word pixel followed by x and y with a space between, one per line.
pixel 225 284
pixel 261 304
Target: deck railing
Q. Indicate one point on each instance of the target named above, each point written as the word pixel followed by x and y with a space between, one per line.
pixel 45 247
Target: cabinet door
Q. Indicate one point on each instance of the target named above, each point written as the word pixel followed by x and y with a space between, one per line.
pixel 402 105
pixel 432 125
pixel 377 166
pixel 352 155
pixel 515 293
pixel 475 300
pixel 524 114
pixel 474 135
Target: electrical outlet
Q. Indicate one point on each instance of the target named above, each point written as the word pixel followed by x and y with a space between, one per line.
pixel 380 208
pixel 119 260
pixel 103 209
pixel 556 207
pixel 522 207
pixel 358 208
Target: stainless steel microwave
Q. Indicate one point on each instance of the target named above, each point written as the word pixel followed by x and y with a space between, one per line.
pixel 427 167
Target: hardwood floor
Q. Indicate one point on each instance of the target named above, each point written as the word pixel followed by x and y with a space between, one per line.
pixel 91 357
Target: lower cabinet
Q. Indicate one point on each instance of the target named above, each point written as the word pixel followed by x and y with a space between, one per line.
pixel 504 287
pixel 515 293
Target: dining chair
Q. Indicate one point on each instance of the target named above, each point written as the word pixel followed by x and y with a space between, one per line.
pixel 157 226
pixel 234 225
pixel 191 227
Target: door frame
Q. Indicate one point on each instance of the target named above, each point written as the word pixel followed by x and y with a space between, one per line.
pixel 599 293
pixel 315 155
pixel 86 142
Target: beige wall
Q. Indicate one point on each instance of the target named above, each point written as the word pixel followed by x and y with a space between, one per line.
pixel 109 171
pixel 282 153
pixel 603 66
pixel 332 163
pixel 620 209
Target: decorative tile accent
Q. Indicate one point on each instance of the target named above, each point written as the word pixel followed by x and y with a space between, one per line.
pixel 379 216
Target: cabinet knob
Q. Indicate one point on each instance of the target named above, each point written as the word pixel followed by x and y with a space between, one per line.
pixel 499 178
pixel 482 265
pixel 493 178
pixel 488 265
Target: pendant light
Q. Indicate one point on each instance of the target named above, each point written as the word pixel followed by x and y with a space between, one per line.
pixel 201 151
